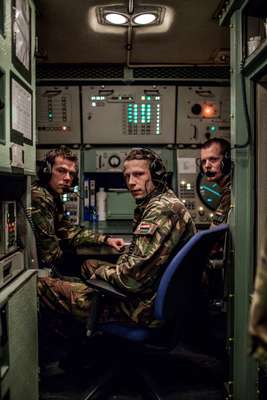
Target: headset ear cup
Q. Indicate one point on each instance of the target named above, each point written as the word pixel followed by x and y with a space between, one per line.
pixel 45 172
pixel 199 165
pixel 158 170
pixel 226 164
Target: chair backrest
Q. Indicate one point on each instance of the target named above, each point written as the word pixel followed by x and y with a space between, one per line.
pixel 180 283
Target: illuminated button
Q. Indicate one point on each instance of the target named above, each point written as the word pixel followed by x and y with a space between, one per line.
pixel 208 111
pixel 201 211
pixel 213 128
pixel 183 183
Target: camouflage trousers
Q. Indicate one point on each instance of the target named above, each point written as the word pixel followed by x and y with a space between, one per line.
pixel 65 304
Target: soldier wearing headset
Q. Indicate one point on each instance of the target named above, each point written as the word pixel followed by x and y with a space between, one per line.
pixel 161 226
pixel 57 174
pixel 215 163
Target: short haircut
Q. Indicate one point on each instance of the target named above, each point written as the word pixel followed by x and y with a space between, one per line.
pixel 62 151
pixel 224 145
pixel 140 153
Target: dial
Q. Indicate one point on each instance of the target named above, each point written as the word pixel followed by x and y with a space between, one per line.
pixel 114 161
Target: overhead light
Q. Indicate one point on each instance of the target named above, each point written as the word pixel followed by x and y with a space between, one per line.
pixel 116 18
pixel 144 19
pixel 120 16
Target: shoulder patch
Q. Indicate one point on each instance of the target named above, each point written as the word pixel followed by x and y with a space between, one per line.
pixel 146 228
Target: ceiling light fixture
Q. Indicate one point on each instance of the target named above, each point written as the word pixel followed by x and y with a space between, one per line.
pixel 120 16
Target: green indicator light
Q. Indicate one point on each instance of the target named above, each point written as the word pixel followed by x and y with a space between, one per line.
pixel 213 128
pixel 148 97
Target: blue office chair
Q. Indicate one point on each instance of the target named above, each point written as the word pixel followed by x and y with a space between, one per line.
pixel 176 303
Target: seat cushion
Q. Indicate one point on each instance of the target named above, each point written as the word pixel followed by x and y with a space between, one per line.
pixel 130 332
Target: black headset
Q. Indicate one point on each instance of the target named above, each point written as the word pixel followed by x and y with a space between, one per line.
pixel 157 168
pixel 44 172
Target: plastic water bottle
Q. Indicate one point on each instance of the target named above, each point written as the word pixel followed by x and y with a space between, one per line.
pixel 101 203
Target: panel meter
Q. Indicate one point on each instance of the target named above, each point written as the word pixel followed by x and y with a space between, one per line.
pixel 128 114
pixel 110 160
pixel 203 113
pixel 58 115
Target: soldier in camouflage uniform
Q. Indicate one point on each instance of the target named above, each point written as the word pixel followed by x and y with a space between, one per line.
pixel 216 165
pixel 161 226
pixel 258 312
pixel 52 228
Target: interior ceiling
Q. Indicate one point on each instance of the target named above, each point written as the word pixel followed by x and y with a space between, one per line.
pixel 68 32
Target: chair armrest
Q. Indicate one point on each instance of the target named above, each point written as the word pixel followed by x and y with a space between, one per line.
pixel 105 288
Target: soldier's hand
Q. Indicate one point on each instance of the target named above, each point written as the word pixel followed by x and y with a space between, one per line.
pixel 117 243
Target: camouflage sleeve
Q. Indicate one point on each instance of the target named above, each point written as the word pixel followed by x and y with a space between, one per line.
pixel 49 251
pixel 258 312
pixel 78 236
pixel 139 267
pixel 221 214
pixel 48 236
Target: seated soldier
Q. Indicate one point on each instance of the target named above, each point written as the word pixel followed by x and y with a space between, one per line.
pixel 53 230
pixel 161 226
pixel 215 163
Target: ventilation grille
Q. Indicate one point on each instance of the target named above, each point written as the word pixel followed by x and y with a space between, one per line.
pixel 184 73
pixel 79 71
pixel 116 71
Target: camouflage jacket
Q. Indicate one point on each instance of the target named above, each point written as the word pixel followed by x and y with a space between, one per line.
pixel 162 225
pixel 258 312
pixel 222 211
pixel 52 228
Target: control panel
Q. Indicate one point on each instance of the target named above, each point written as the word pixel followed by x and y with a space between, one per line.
pixel 128 114
pixel 72 206
pixel 203 113
pixel 187 173
pixel 8 227
pixel 110 160
pixel 58 115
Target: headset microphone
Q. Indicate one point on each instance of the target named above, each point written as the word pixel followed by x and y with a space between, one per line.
pixel 210 174
pixel 68 189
